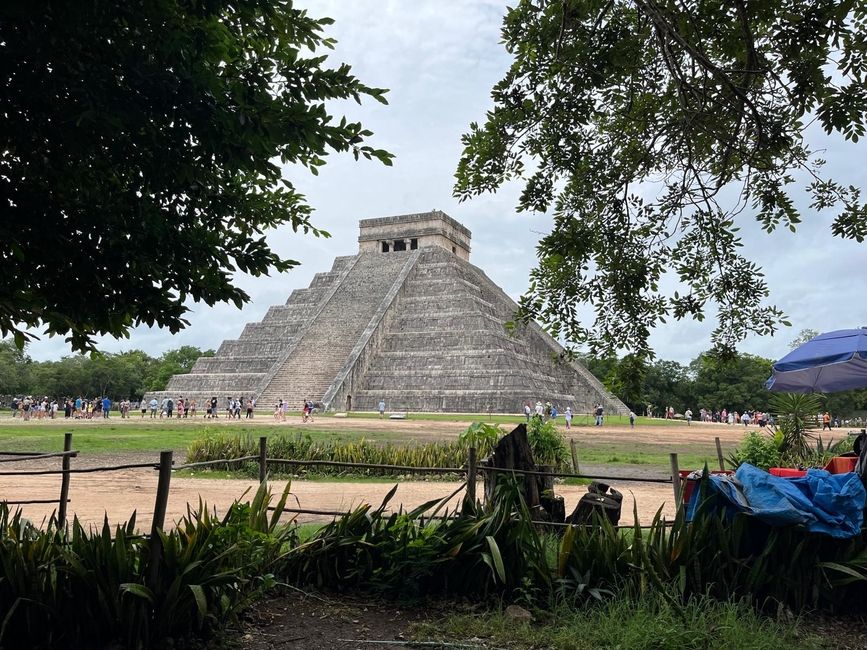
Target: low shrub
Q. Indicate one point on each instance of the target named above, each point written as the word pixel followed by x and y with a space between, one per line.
pixel 302 447
pixel 93 588
pixel 759 449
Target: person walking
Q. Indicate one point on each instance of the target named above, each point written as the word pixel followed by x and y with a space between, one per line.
pixel 381 408
pixel 688 416
pixel 106 407
pixel 599 413
pixel 568 417
pixel 527 411
pixel 826 421
pixel 632 419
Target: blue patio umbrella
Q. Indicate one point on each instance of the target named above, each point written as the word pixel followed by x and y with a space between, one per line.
pixel 829 363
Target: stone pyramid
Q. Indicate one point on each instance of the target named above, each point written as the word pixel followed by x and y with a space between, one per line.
pixel 408 320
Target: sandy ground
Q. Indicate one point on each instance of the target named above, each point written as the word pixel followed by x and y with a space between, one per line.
pixel 117 494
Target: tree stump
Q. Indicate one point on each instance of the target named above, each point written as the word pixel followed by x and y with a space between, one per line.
pixel 513 452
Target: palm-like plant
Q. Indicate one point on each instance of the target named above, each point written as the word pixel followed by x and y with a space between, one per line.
pixel 796 418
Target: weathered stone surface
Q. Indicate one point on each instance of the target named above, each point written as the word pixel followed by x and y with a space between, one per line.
pixel 421 328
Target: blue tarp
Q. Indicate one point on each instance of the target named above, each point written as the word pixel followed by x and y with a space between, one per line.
pixel 822 502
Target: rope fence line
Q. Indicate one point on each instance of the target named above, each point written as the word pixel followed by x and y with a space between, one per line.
pixel 31 455
pixel 166 467
pixel 83 470
pixel 29 501
pixel 210 463
pixel 22 458
pixel 553 524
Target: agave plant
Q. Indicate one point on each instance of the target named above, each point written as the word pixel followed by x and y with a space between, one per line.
pixel 796 419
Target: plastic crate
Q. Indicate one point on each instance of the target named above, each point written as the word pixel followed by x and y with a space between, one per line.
pixel 841 464
pixel 787 472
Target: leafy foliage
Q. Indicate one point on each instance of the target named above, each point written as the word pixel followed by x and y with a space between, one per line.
pixel 480 434
pixel 91 588
pixel 636 121
pixel 761 450
pixel 547 444
pixel 142 152
pixel 123 375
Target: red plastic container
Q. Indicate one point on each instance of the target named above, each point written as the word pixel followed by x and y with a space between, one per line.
pixel 787 472
pixel 841 464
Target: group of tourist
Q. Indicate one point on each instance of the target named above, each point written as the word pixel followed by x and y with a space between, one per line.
pixel 548 411
pixel 79 408
pixel 189 408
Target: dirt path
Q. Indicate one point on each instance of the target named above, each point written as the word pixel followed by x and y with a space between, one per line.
pixel 117 494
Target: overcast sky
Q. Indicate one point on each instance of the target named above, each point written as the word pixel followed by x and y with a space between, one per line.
pixel 440 58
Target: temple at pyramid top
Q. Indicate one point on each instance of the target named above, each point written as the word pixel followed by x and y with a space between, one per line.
pixel 408 232
pixel 408 320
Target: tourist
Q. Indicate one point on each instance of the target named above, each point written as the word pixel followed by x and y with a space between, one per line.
pixel 170 407
pixel 153 404
pixel 826 420
pixel 567 416
pixel 250 408
pixel 182 408
pixel 540 409
pixel 310 408
pixel 237 408
pixel 381 408
pixel 304 411
pixel 745 418
pixel 214 413
pixel 688 416
pixel 106 407
pixel 192 409
pixel 599 413
pixel 632 419
pixel 527 411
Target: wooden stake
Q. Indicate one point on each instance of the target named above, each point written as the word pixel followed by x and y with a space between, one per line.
pixel 719 454
pixel 472 471
pixel 159 521
pixel 64 482
pixel 263 449
pixel 574 447
pixel 675 479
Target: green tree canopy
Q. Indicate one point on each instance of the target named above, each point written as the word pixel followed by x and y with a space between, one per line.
pixel 685 99
pixel 141 146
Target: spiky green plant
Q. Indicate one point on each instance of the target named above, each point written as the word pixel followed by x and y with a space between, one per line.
pixel 796 419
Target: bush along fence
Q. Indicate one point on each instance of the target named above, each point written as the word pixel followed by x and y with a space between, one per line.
pixel 64 586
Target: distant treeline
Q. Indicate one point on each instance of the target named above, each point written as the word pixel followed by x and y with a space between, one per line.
pixel 127 375
pixel 706 383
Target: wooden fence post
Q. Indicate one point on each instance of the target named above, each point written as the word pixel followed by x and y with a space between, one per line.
pixel 675 479
pixel 719 454
pixel 159 521
pixel 472 472
pixel 574 448
pixel 64 481
pixel 263 455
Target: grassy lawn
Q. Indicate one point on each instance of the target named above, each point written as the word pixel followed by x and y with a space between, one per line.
pixel 647 623
pixel 689 456
pixel 494 418
pixel 145 436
